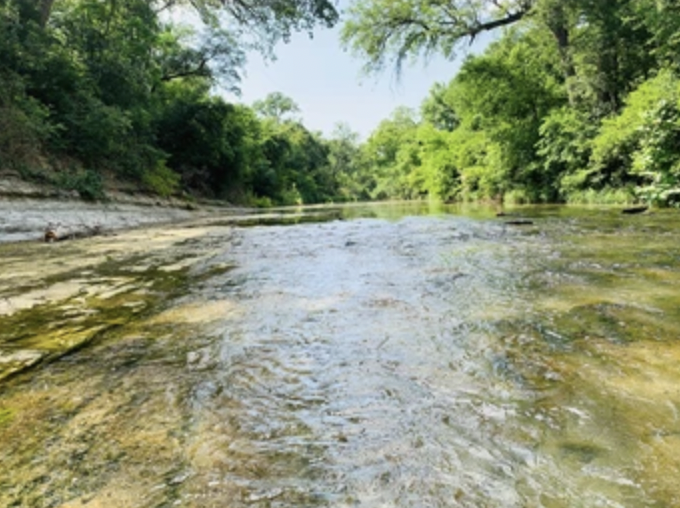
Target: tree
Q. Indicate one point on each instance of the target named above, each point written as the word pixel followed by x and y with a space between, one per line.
pixel 384 31
pixel 610 53
pixel 270 20
pixel 661 19
pixel 182 53
pixel 390 154
pixel 437 175
pixel 278 107
pixel 91 85
pixel 613 34
pixel 206 140
pixel 344 163
pixel 266 21
pixel 506 92
pixel 640 144
pixel 438 109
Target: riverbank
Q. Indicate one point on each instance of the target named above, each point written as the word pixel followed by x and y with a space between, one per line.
pixel 27 209
pixel 28 219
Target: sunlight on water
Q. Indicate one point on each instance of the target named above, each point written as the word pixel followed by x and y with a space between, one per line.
pixel 406 355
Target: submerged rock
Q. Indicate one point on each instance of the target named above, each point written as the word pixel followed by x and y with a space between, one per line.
pixel 15 361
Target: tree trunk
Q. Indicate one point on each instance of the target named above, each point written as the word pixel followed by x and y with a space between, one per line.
pixel 45 11
pixel 557 23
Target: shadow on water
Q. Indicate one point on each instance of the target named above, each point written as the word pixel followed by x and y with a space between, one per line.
pixel 364 355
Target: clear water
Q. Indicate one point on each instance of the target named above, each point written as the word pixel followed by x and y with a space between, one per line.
pixel 404 356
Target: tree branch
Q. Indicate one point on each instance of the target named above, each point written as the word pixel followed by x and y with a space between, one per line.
pixel 199 70
pixel 478 27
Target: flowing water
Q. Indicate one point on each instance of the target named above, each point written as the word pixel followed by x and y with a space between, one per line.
pixel 378 356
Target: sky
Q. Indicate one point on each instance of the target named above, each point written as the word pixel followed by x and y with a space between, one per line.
pixel 328 86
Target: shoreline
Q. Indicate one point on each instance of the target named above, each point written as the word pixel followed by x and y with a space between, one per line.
pixel 28 209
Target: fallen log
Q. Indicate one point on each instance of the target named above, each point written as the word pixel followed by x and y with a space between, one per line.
pixel 635 209
pixel 59 232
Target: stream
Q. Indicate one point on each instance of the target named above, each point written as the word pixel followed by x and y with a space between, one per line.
pixel 393 355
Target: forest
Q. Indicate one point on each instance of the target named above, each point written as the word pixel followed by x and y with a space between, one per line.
pixel 574 101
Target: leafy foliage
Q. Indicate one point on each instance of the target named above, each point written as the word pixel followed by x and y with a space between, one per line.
pixel 575 101
pixel 278 107
pixel 389 31
pixel 97 90
pixel 564 149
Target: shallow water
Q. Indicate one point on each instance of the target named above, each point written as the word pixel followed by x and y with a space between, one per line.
pixel 378 356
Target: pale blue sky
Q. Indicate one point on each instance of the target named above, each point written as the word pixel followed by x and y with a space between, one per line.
pixel 327 84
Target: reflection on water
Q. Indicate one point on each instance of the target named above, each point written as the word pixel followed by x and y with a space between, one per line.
pixel 407 355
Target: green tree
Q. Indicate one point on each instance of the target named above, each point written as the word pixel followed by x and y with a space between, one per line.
pixel 437 109
pixel 564 149
pixel 294 168
pixel 437 174
pixel 387 31
pixel 390 154
pixel 660 19
pixel 205 139
pixel 278 107
pixel 506 93
pixel 91 86
pixel 639 146
pixel 344 164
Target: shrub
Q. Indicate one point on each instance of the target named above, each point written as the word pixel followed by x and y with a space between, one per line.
pixel 161 180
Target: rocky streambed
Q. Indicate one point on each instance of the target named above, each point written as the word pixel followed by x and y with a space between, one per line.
pixel 403 356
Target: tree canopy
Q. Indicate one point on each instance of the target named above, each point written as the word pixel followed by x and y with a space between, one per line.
pixel 575 100
pixel 96 90
pixel 384 31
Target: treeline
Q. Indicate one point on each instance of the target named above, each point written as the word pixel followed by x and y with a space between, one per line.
pixel 99 90
pixel 576 101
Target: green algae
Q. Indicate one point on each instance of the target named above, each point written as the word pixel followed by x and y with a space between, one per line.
pixel 599 349
pixel 110 421
pixel 6 416
pixel 53 330
pixel 107 412
pixel 584 330
pixel 119 289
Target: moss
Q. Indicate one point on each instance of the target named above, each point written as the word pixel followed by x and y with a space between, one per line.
pixel 6 416
pixel 61 327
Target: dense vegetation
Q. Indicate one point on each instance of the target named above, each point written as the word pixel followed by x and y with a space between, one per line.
pixel 576 100
pixel 93 91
